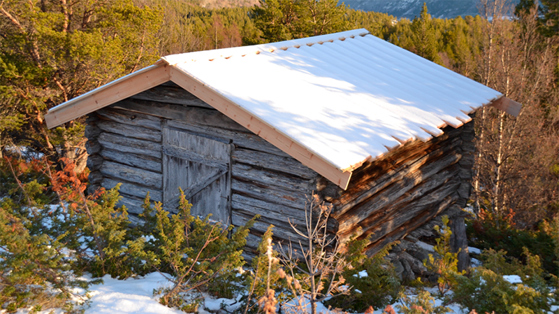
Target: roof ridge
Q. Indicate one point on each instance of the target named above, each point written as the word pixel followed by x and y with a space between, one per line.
pixel 226 53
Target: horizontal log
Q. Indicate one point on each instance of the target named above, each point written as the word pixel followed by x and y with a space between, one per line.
pixel 247 210
pixel 261 226
pixel 94 162
pixel 468 135
pixel 91 130
pixel 414 198
pixel 130 118
pixel 171 95
pixel 129 145
pixel 468 146
pixel 92 188
pixel 464 190
pixel 465 173
pixel 92 146
pixel 377 179
pixel 287 165
pixel 398 157
pixel 468 160
pixel 269 194
pixel 283 216
pixel 256 205
pixel 384 194
pixel 139 161
pixel 241 139
pixel 190 115
pixel 253 241
pixel 130 130
pixel 411 212
pixel 379 215
pixel 95 177
pixel 135 220
pixel 133 189
pixel 122 173
pixel 133 204
pixel 269 178
pixel 413 224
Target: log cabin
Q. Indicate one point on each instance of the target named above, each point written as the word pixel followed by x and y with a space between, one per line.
pixel 379 133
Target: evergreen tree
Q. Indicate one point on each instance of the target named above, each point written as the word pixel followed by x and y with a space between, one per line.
pixel 426 36
pixel 52 51
pixel 289 19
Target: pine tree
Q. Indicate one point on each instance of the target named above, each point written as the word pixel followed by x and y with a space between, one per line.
pixel 426 36
pixel 52 51
pixel 290 19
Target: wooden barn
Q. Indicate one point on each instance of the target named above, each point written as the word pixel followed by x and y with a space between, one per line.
pixel 378 132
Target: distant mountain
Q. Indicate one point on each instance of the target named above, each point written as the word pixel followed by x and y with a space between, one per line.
pixel 411 8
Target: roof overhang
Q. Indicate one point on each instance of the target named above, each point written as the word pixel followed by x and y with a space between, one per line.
pixel 162 72
pixel 167 69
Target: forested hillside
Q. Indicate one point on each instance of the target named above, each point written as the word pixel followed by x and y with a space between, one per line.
pixel 444 9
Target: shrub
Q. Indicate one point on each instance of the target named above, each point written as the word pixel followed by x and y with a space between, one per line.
pixel 421 304
pixel 372 280
pixel 267 274
pixel 445 265
pixel 487 291
pixel 487 234
pixel 34 268
pixel 96 229
pixel 314 274
pixel 194 251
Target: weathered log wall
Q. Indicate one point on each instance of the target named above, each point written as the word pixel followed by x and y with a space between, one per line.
pixel 389 198
pixel 125 143
pixel 386 199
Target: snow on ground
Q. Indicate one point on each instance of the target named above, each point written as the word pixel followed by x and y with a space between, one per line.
pixel 128 296
pixel 425 246
pixel 136 296
pixel 474 250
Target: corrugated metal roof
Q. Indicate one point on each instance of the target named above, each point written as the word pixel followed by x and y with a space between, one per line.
pixel 346 97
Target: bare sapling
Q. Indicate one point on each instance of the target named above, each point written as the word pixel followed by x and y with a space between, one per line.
pixel 314 272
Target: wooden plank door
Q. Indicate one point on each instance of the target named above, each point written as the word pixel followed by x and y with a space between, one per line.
pixel 200 166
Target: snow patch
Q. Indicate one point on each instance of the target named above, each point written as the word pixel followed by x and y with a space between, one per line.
pixel 512 279
pixel 128 296
pixel 474 250
pixel 361 274
pixel 425 246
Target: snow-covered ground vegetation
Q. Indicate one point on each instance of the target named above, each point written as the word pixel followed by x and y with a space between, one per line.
pixel 62 250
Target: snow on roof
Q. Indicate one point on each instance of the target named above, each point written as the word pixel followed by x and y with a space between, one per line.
pixel 331 101
pixel 346 97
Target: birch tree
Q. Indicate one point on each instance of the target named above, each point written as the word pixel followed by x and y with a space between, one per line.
pixel 516 155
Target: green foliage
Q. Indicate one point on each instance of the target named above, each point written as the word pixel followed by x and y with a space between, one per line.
pixel 445 265
pixel 379 288
pixel 288 19
pixel 421 304
pixel 486 290
pixel 486 234
pixel 194 251
pixel 118 255
pixel 96 230
pixel 34 266
pixel 52 51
